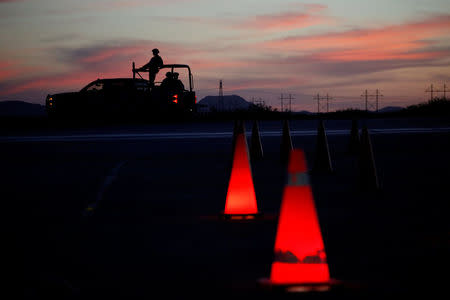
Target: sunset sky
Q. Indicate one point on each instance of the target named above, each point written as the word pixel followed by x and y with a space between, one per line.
pixel 259 48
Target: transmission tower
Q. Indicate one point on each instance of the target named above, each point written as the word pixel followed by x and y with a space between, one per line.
pixel 368 97
pixel 431 90
pixel 325 107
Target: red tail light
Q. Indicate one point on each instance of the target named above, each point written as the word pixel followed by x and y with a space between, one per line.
pixel 175 98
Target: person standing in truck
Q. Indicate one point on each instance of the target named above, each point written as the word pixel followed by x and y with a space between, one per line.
pixel 153 66
pixel 178 84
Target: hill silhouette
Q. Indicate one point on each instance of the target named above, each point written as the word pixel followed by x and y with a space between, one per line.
pixel 230 103
pixel 21 109
pixel 389 109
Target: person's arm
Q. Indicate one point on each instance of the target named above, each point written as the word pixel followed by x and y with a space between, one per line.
pixel 144 67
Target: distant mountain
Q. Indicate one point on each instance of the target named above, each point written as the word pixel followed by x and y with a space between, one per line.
pixel 21 109
pixel 230 103
pixel 303 112
pixel 389 109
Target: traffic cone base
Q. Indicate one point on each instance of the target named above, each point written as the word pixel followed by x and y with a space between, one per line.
pixel 240 217
pixel 293 273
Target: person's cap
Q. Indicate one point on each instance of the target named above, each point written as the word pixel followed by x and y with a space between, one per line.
pixel 168 74
pixel 155 50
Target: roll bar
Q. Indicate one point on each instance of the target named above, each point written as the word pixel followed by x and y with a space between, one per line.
pixel 171 67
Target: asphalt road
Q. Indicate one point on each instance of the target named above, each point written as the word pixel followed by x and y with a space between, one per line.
pixel 132 211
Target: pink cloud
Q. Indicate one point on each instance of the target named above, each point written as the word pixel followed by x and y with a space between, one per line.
pixel 7 70
pixel 378 54
pixel 108 53
pixel 103 61
pixel 390 42
pixel 261 83
pixel 287 20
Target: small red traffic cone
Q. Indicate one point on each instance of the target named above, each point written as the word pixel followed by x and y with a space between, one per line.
pixel 286 143
pixel 241 199
pixel 256 150
pixel 300 257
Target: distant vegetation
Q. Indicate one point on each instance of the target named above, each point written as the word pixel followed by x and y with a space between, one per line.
pixel 435 107
pixel 18 114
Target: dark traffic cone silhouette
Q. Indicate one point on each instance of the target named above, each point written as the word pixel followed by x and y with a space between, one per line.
pixel 300 257
pixel 286 143
pixel 256 150
pixel 238 127
pixel 354 144
pixel 322 162
pixel 241 200
pixel 368 178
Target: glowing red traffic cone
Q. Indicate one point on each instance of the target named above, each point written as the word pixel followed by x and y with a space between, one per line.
pixel 300 257
pixel 241 199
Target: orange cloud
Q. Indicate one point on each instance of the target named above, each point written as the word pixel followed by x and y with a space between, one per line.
pixel 392 42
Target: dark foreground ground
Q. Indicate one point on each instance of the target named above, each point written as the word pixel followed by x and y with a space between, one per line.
pixel 157 190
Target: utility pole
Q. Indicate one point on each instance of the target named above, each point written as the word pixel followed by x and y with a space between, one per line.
pixel 366 99
pixel 377 95
pixel 318 102
pixel 281 99
pixel 221 104
pixel 430 90
pixel 328 102
pixel 290 102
